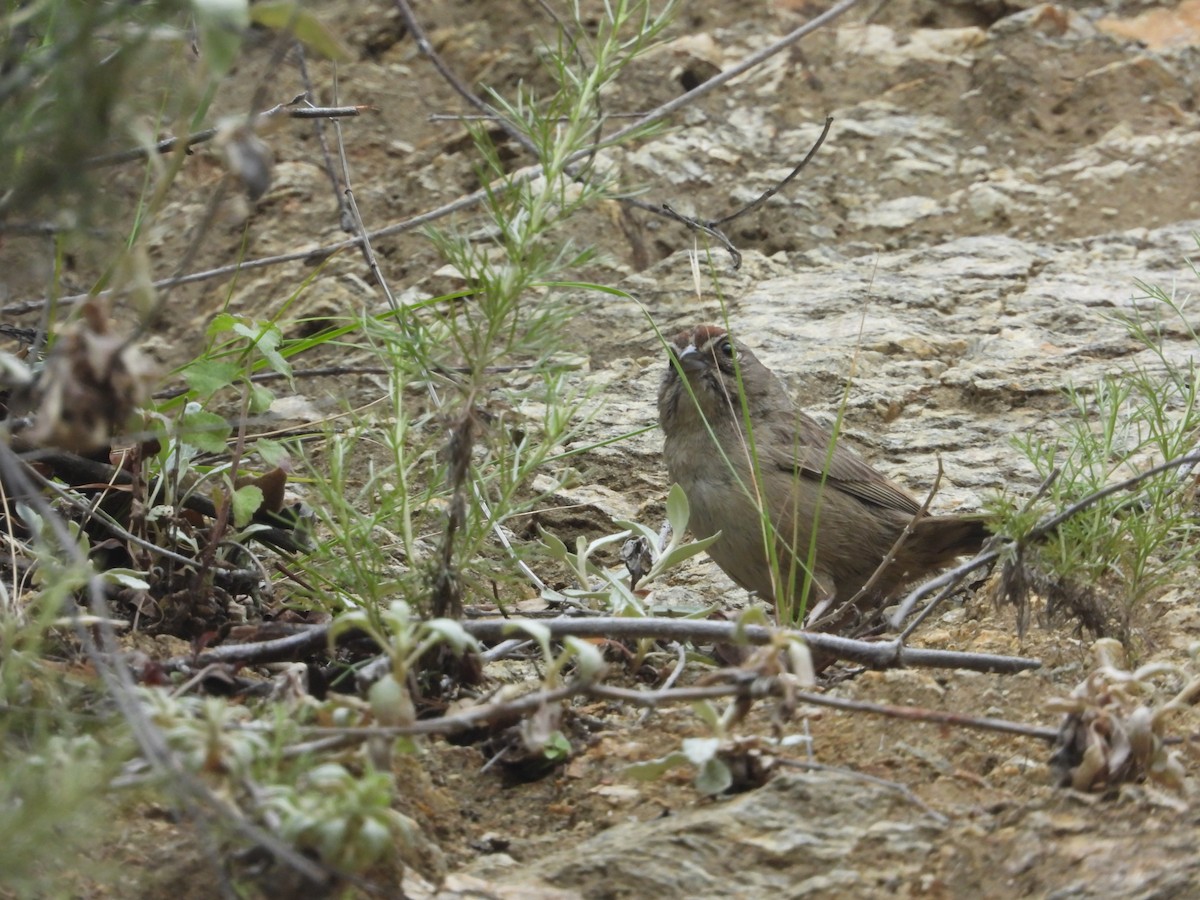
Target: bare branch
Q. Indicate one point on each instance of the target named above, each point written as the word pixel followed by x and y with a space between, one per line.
pixel 1044 528
pixel 712 228
pixel 879 654
pixel 459 86
pixel 752 688
pixel 772 687
pixel 468 201
pixel 166 145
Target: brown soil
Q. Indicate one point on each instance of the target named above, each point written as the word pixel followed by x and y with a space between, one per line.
pixel 1011 833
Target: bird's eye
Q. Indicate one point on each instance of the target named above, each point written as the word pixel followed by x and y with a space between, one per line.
pixel 726 348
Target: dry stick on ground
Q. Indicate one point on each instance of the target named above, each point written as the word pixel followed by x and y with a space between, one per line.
pixel 774 686
pixel 750 688
pixel 712 228
pixel 881 654
pixel 516 179
pixel 446 593
pixel 350 211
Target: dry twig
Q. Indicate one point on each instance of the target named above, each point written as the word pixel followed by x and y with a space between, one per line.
pixel 470 200
pixel 877 654
pixel 166 145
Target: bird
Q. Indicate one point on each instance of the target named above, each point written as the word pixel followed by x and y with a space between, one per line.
pixel 738 445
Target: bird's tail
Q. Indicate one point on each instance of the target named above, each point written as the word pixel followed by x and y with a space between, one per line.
pixel 945 537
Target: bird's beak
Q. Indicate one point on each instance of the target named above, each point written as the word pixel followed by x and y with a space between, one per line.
pixel 691 360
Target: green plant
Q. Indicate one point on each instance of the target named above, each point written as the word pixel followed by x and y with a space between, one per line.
pixel 405 640
pixel 412 497
pixel 613 588
pixel 446 472
pixel 1141 415
pixel 345 819
pixel 61 745
pixel 51 787
pixel 716 757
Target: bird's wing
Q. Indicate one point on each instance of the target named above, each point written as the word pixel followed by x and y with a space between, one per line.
pixel 845 469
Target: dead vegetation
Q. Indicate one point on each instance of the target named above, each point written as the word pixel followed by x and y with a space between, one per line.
pixel 309 645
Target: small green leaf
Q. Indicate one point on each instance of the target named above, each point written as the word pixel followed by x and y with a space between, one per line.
pixel 700 750
pixel 261 398
pixel 682 552
pixel 329 776
pixel 642 530
pixel 713 778
pixel 653 769
pixel 554 546
pixel 601 543
pixel 330 834
pixel 678 510
pixel 245 503
pixel 221 24
pixel 390 702
pixel 707 713
pixel 304 26
pixel 207 376
pixel 536 630
pixel 273 453
pixel 31 519
pixel 452 633
pixel 589 661
pixel 126 578
pixel 398 615
pixel 374 837
pixel 751 615
pixel 204 430
pixel 557 747
pixel 222 322
pixel 266 340
pixel 406 744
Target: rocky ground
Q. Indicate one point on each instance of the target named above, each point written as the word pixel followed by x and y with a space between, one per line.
pixel 998 178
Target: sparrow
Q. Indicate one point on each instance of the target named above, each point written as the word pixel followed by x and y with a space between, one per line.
pixel 738 446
